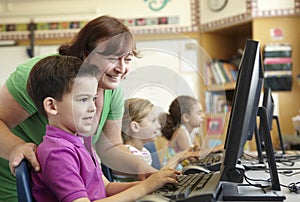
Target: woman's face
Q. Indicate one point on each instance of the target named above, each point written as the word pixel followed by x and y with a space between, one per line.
pixel 112 67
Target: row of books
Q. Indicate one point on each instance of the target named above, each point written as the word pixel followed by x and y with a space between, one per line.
pixel 219 72
pixel 216 102
pixel 278 66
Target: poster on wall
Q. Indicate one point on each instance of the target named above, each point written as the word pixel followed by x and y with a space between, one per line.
pixel 214 125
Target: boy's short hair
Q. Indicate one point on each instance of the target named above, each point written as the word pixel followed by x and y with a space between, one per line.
pixel 53 76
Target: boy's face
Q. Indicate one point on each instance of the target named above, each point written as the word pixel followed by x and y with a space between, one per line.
pixel 77 108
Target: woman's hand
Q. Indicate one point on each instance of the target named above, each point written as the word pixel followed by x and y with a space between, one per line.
pixel 21 151
pixel 143 176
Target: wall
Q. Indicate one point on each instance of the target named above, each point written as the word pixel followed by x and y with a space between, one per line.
pixel 263 15
pixel 168 68
pixel 288 100
pixel 12 56
pixel 176 58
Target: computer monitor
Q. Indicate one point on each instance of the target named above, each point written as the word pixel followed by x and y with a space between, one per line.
pixel 269 105
pixel 244 111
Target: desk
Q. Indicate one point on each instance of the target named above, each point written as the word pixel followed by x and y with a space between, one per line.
pixel 257 174
pixel 293 141
pixel 284 179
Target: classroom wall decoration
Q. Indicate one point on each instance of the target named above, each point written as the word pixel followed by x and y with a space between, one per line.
pixel 152 17
pixel 177 16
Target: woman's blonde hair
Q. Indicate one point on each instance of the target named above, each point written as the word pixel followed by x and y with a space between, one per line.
pixel 135 110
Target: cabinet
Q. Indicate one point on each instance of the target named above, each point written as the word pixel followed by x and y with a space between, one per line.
pixel 278 66
pixel 222 44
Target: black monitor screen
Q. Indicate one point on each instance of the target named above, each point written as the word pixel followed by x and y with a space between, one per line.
pixel 243 115
pixel 268 103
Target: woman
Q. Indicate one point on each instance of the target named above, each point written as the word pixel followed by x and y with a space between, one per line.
pixel 105 42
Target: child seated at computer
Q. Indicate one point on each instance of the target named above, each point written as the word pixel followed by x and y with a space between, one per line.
pixel 180 125
pixel 140 125
pixel 64 90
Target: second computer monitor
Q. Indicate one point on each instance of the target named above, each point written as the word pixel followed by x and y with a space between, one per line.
pixel 244 109
pixel 268 103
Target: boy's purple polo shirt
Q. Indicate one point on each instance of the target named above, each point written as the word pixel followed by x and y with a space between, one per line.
pixel 68 170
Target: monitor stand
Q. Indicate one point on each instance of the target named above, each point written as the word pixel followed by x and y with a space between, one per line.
pixel 279 134
pixel 258 146
pixel 234 192
pixel 280 154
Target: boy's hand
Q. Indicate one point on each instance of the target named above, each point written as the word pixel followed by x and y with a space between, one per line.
pixel 160 178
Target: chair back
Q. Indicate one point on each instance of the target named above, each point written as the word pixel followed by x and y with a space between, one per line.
pixel 107 172
pixel 155 159
pixel 23 181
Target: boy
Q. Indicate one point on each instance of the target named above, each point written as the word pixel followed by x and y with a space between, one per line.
pixel 64 90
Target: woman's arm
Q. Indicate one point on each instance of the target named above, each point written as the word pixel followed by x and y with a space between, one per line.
pixel 181 139
pixel 114 154
pixel 190 154
pixel 12 147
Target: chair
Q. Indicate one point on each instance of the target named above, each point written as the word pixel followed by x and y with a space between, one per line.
pixel 155 159
pixel 107 172
pixel 23 182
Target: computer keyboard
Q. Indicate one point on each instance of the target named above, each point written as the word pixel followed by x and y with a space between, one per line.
pixel 200 186
pixel 212 161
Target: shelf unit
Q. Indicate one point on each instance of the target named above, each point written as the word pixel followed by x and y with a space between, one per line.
pixel 221 44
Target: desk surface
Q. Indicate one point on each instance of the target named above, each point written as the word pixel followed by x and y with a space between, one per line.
pixel 287 174
pixel 291 139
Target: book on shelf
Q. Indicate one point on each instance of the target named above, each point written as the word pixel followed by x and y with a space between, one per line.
pixel 278 73
pixel 219 72
pixel 209 77
pixel 278 47
pixel 215 102
pixel 274 67
pixel 277 50
pixel 231 71
pixel 277 54
pixel 215 74
pixel 281 83
pixel 278 60
pixel 273 64
pixel 278 66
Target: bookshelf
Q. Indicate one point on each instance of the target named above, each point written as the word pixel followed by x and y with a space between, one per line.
pixel 224 42
pixel 278 66
pixel 226 86
pixel 222 45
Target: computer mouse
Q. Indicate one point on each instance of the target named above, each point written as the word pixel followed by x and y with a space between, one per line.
pixel 191 169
